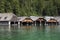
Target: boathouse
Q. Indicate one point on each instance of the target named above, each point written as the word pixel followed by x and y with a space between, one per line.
pixel 7 18
pixel 51 20
pixel 25 20
pixel 38 20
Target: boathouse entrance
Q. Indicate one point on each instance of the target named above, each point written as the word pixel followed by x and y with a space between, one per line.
pixel 40 21
pixel 14 23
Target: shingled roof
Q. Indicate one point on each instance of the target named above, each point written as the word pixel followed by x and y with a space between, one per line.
pixel 34 18
pixel 7 16
pixel 22 18
pixel 48 18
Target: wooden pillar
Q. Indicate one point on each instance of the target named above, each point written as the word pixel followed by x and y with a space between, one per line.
pixel 35 23
pixel 18 22
pixel 9 24
pixel 40 23
pixel 21 24
pixel 45 23
pixel 56 23
pixel 32 24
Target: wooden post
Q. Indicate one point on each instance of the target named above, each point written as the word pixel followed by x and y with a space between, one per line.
pixel 9 24
pixel 45 23
pixel 21 24
pixel 18 23
pixel 35 23
pixel 56 23
pixel 40 23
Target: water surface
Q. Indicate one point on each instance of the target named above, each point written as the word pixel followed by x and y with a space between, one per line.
pixel 30 32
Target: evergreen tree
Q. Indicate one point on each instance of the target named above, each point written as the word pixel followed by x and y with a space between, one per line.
pixel 31 7
pixel 2 3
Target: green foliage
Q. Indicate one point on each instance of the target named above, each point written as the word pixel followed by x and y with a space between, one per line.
pixel 31 7
pixel 2 2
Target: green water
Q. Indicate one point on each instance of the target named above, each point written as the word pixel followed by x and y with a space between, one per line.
pixel 30 33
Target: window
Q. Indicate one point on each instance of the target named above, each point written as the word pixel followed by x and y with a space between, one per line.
pixel 0 17
pixel 5 18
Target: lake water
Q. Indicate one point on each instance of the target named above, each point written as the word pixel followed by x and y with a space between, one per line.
pixel 30 33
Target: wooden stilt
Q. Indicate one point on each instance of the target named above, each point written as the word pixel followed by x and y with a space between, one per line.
pixel 27 23
pixel 40 23
pixel 18 23
pixel 21 24
pixel 45 23
pixel 56 23
pixel 35 23
pixel 9 24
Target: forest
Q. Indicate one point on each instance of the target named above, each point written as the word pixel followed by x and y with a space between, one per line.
pixel 31 7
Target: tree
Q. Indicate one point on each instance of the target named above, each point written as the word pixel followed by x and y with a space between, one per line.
pixel 2 2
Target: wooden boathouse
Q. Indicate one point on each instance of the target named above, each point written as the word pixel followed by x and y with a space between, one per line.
pixel 10 18
pixel 7 18
pixel 51 20
pixel 38 20
pixel 32 20
pixel 25 21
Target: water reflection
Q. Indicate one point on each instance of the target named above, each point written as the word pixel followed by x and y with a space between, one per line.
pixel 30 32
pixel 52 28
pixel 28 28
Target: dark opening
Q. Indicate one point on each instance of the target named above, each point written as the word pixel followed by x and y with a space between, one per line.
pixel 5 18
pixel 42 22
pixel 25 23
pixel 0 17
